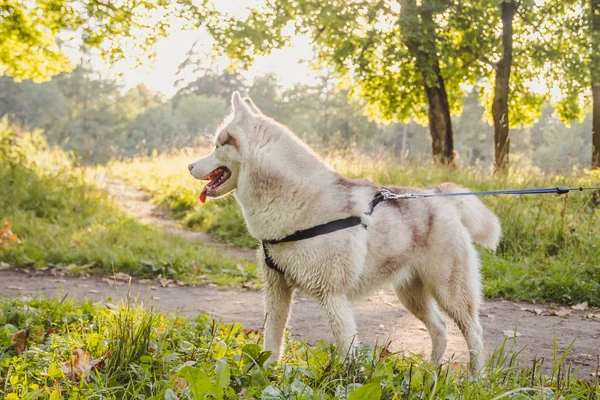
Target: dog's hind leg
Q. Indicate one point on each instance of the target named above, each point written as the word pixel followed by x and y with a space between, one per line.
pixel 418 301
pixel 277 299
pixel 339 314
pixel 460 297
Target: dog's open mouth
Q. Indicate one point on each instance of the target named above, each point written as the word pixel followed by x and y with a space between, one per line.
pixel 218 177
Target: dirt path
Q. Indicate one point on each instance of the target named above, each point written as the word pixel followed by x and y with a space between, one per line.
pixel 380 318
pixel 136 203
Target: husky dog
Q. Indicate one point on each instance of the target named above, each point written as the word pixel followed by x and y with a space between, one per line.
pixel 422 247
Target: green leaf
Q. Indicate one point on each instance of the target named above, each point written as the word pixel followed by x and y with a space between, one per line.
pixel 271 393
pixel 221 377
pixel 370 391
pixel 199 383
pixel 169 395
pixel 55 395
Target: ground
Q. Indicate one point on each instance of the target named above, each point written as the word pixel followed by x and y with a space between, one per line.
pixel 380 318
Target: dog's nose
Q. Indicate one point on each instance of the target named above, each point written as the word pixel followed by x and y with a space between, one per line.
pixel 191 167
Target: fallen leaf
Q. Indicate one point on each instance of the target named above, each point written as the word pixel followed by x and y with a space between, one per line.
pixel 592 316
pixel 121 276
pixel 581 306
pixel 112 282
pixel 561 312
pixel 248 285
pixel 511 333
pixel 81 365
pixel 14 288
pixel 180 383
pixel 6 235
pixel 20 338
pixel 49 332
pixel 170 283
pixel 93 291
pixel 384 353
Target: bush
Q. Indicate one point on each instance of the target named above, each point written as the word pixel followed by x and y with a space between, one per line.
pixel 63 220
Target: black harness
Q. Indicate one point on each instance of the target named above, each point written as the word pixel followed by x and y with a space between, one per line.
pixel 329 227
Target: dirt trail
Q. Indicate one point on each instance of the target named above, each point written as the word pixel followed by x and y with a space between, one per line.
pixel 380 318
pixel 136 203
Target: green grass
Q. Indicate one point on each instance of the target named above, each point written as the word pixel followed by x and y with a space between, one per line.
pixel 158 356
pixel 549 252
pixel 64 222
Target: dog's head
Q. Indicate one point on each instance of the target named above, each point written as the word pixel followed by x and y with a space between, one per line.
pixel 221 168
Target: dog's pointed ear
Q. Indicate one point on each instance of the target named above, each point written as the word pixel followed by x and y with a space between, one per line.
pixel 240 107
pixel 252 106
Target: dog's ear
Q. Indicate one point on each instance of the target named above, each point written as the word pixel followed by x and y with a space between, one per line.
pixel 252 106
pixel 240 107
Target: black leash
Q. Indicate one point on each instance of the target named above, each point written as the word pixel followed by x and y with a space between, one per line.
pixel 558 190
pixel 386 195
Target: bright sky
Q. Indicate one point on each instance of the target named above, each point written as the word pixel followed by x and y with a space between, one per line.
pixel 289 64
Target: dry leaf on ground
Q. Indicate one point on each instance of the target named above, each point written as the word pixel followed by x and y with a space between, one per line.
pixel 7 236
pixel 581 306
pixel 81 365
pixel 20 339
pixel 511 333
pixel 561 312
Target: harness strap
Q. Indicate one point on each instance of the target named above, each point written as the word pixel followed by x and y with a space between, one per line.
pixel 329 227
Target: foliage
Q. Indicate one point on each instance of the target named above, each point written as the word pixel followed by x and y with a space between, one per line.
pixel 64 222
pixel 185 358
pixel 93 117
pixel 570 59
pixel 549 251
pixel 30 31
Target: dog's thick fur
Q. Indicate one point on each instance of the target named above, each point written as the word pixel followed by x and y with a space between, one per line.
pixel 422 247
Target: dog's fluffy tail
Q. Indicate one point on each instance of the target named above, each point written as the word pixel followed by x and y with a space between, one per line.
pixel 480 221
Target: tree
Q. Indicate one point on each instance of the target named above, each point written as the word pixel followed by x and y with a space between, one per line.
pixel 404 64
pixel 508 47
pixel 595 80
pixel 29 48
pixel 574 63
pixel 502 87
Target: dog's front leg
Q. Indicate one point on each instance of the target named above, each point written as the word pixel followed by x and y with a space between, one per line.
pixel 277 299
pixel 338 311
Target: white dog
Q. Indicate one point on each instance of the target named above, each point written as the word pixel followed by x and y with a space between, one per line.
pixel 423 247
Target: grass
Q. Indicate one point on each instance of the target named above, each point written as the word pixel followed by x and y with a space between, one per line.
pixel 131 352
pixel 549 252
pixel 64 222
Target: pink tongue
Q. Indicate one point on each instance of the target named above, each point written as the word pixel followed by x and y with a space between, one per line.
pixel 203 196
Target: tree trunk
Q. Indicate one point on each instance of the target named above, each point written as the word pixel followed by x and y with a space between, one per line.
pixel 419 35
pixel 501 90
pixel 440 124
pixel 595 71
